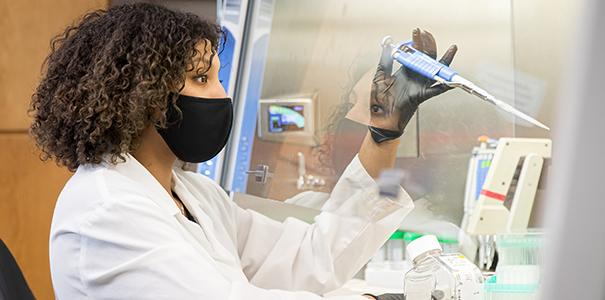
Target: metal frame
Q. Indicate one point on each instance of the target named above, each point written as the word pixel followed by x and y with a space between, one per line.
pixel 249 82
pixel 231 15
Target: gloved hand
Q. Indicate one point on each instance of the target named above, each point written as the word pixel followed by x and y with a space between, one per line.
pixel 387 296
pixel 437 295
pixel 395 97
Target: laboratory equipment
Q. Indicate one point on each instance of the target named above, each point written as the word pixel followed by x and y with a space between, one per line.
pixel 502 181
pixel 498 291
pixel 435 275
pixel 425 65
pixel 288 119
pixel 288 49
pixel 478 166
pixel 520 257
pixel 508 192
pixel 518 273
pixel 479 248
pixel 231 16
pixel 255 29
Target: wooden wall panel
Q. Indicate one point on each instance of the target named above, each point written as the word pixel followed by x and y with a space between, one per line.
pixel 26 27
pixel 29 189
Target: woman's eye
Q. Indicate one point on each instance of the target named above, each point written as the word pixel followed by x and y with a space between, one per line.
pixel 201 78
pixel 376 109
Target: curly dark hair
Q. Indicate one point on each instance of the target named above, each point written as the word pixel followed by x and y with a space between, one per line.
pixel 110 76
pixel 325 152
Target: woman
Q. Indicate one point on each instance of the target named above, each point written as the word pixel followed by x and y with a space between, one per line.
pixel 125 93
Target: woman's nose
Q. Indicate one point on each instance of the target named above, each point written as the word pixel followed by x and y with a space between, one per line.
pixel 221 91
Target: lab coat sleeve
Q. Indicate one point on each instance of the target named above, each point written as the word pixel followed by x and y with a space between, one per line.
pixel 131 250
pixel 355 221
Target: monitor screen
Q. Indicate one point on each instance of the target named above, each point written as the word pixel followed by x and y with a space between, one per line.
pixel 286 118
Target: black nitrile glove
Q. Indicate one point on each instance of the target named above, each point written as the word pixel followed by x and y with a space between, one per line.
pixel 395 97
pixel 388 296
pixel 436 295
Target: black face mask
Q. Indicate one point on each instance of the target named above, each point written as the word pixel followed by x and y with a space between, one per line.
pixel 203 130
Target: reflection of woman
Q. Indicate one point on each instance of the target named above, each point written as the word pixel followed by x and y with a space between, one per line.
pixel 385 106
pixel 125 93
pixel 343 137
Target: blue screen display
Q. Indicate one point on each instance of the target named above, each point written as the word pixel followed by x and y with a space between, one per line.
pixel 284 118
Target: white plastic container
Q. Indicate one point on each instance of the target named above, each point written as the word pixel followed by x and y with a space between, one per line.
pixel 519 258
pixel 505 291
pixel 518 272
pixel 435 275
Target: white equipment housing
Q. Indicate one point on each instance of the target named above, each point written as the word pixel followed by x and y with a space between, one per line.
pixel 514 175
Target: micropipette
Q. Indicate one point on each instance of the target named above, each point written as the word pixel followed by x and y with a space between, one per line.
pixel 428 67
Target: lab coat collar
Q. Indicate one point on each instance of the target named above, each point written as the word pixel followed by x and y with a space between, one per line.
pixel 202 233
pixel 134 170
pixel 205 231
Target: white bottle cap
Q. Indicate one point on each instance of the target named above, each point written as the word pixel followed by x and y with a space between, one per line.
pixel 422 245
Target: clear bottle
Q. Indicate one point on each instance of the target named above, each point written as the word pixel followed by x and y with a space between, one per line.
pixel 435 275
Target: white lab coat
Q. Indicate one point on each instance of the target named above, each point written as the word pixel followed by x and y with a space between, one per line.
pixel 117 234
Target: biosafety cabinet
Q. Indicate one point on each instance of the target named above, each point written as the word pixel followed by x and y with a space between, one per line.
pixel 295 68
